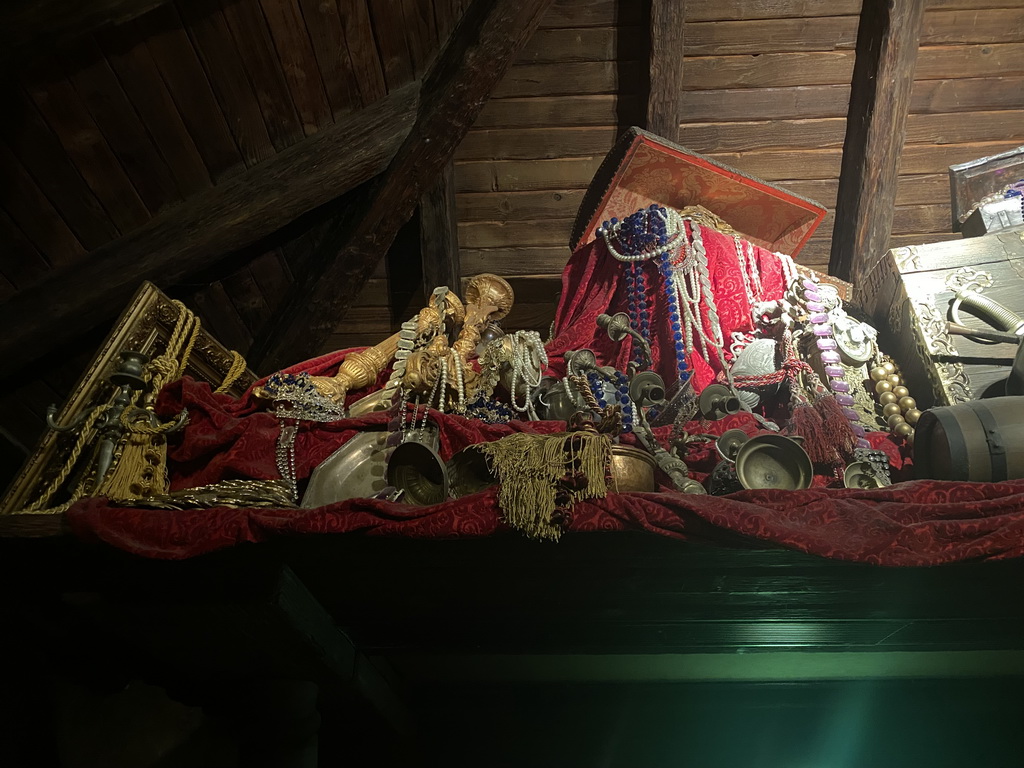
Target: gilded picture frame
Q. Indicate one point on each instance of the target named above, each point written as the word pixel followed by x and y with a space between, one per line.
pixel 145 326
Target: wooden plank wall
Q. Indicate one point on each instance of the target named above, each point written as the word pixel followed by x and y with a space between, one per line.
pixel 967 102
pixel 239 306
pixel 521 172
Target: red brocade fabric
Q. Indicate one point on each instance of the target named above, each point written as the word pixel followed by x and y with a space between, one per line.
pixel 908 524
pixel 593 283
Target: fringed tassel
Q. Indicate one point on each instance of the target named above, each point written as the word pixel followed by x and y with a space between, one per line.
pixel 837 428
pixel 141 469
pixel 806 422
pixel 536 471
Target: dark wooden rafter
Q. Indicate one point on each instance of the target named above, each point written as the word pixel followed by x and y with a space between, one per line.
pixel 883 77
pixel 665 97
pixel 439 235
pixel 29 26
pixel 472 62
pixel 206 227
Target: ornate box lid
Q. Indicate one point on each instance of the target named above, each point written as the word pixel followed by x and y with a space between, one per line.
pixel 643 168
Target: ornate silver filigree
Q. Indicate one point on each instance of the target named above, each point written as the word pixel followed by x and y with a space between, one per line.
pixel 950 380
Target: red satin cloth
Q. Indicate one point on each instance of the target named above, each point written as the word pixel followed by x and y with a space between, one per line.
pixel 908 524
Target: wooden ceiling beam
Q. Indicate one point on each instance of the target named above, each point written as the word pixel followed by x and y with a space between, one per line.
pixel 665 96
pixel 30 26
pixel 206 227
pixel 473 61
pixel 883 77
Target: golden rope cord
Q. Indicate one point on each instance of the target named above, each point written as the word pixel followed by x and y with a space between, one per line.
pixel 76 451
pixel 238 367
pixel 161 370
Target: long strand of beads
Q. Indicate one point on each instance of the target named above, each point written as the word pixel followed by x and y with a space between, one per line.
pixel 899 409
pixel 675 318
pixel 285 454
pixel 430 399
pixel 789 272
pixel 700 280
pixel 821 327
pixel 636 285
pixel 642 235
pixel 460 385
pixel 755 270
pixel 741 257
pixel 442 396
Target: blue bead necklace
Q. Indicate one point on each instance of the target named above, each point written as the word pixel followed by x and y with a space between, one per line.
pixel 638 237
pixel 621 385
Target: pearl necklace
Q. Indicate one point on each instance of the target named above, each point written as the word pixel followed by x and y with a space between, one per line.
pixel 749 271
pixel 528 360
pixel 692 281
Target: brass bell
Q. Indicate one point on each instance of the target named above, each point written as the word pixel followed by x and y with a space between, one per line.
pixel 716 401
pixel 416 468
pixel 469 472
pixel 773 461
pixel 729 442
pixel 647 388
pixel 860 475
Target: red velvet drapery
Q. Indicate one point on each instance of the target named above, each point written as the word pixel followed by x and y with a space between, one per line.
pixel 911 523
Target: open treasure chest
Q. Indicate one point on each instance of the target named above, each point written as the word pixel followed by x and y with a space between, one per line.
pixel 951 313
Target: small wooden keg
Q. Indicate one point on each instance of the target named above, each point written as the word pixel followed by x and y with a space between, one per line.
pixel 982 440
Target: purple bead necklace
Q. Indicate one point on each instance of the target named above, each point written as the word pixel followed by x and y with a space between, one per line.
pixel 821 327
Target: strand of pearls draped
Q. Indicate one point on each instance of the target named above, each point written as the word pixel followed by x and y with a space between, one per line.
pixel 749 271
pixel 693 283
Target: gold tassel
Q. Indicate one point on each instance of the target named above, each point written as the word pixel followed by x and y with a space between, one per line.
pixel 532 469
pixel 141 469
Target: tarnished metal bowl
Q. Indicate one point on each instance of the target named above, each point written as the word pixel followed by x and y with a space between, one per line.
pixel 632 470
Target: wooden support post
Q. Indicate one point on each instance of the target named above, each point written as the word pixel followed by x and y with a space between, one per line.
pixel 439 235
pixel 665 98
pixel 471 64
pixel 883 77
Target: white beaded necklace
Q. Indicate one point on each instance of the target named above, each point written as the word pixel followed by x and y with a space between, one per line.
pixel 528 360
